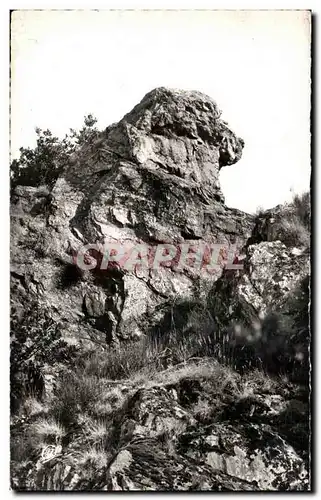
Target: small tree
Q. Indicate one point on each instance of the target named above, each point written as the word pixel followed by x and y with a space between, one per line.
pixel 44 163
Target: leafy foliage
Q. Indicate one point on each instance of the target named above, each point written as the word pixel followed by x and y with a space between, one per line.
pixel 43 164
pixel 35 342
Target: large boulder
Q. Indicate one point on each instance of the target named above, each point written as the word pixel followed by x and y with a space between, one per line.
pixel 152 178
pixel 180 419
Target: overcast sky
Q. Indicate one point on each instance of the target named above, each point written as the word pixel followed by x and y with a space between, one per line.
pixel 256 65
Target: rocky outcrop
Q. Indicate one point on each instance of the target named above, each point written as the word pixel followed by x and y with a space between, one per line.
pixel 289 223
pixel 205 431
pixel 189 413
pixel 152 178
pixel 263 309
pixel 239 453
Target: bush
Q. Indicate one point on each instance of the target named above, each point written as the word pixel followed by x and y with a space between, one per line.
pixel 290 223
pixel 35 343
pixel 302 206
pixel 43 164
pixel 296 234
pixel 295 222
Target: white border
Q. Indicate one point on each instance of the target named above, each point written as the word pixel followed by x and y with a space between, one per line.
pixel 314 5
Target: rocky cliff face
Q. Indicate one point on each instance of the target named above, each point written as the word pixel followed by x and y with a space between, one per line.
pixel 157 414
pixel 152 178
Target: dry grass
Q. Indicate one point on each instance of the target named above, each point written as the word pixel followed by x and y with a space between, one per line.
pixel 95 457
pixel 296 222
pixel 205 369
pixel 203 410
pixel 76 394
pixel 32 407
pixel 297 234
pixel 120 363
pixel 149 356
pixel 48 428
pixel 89 400
pixel 102 409
pixel 94 431
pixel 39 434
pixel 259 381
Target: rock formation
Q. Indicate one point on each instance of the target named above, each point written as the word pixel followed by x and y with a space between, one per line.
pixel 153 178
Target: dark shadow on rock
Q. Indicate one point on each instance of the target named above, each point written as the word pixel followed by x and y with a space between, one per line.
pixel 69 276
pixel 181 321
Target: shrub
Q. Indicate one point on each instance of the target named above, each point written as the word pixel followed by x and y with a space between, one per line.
pixel 289 223
pixel 35 343
pixel 43 164
pixel 296 221
pixel 296 234
pixel 302 206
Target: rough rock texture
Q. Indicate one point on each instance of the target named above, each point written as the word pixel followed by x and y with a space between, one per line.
pixel 152 178
pixel 289 223
pixel 159 442
pixel 270 274
pixel 258 308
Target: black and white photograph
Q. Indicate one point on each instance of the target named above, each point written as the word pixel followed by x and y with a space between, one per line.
pixel 160 250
